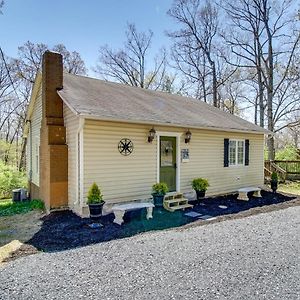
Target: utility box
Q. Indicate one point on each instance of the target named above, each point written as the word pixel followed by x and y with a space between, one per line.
pixel 19 195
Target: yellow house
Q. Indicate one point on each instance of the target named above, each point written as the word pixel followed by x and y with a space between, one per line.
pixel 81 130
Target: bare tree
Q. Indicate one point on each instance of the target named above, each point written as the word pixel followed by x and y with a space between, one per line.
pixel 72 61
pixel 192 65
pixel 266 41
pixel 194 48
pixel 9 105
pixel 1 5
pixel 245 40
pixel 130 65
pixel 16 79
pixel 30 55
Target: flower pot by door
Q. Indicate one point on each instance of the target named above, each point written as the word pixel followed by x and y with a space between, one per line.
pixel 96 210
pixel 158 200
pixel 200 195
pixel 274 185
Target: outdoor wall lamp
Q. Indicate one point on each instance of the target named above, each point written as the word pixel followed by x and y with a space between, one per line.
pixel 151 135
pixel 188 136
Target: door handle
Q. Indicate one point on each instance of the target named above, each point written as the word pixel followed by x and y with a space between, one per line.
pixel 175 166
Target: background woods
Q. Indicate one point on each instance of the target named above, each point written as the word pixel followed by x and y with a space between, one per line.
pixel 241 57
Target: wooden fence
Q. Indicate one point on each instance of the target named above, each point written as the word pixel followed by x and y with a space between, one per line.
pixel 284 168
pixel 290 166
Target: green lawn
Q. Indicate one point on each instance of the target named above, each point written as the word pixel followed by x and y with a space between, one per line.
pixel 8 208
pixel 292 187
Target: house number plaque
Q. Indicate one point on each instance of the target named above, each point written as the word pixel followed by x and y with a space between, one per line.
pixel 185 155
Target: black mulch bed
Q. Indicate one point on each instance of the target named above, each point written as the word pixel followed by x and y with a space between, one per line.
pixel 65 230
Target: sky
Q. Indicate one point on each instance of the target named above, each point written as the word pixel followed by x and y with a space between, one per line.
pixel 82 26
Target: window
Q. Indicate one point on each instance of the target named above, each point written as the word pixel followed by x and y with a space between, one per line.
pixel 236 152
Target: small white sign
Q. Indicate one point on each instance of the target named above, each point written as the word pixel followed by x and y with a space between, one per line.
pixel 185 155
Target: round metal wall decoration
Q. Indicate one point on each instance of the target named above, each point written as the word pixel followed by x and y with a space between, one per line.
pixel 125 146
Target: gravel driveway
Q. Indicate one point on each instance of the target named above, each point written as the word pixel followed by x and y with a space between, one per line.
pixel 251 258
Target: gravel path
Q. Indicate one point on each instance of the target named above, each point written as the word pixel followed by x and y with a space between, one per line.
pixel 251 258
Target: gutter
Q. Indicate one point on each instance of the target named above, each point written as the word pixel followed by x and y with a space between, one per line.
pixel 30 149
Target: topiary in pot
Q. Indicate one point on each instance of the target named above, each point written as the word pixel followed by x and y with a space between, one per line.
pixel 274 182
pixel 95 201
pixel 200 185
pixel 158 192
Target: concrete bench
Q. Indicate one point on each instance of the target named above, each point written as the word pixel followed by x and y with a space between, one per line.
pixel 243 193
pixel 120 209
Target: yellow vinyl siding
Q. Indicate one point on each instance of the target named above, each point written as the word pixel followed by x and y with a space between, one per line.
pixel 71 122
pixel 130 177
pixel 207 160
pixel 33 139
pixel 120 177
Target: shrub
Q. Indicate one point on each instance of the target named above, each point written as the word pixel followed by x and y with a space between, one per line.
pixel 94 195
pixel 160 188
pixel 274 176
pixel 10 179
pixel 9 208
pixel 200 184
pixel 288 153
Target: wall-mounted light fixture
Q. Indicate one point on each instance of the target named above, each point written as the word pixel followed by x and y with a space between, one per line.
pixel 151 135
pixel 188 136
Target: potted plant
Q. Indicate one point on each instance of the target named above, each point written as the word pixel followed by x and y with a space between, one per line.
pixel 158 192
pixel 200 185
pixel 95 201
pixel 274 182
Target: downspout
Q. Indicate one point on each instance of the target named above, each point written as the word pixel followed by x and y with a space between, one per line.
pixel 80 162
pixel 30 155
pixel 30 149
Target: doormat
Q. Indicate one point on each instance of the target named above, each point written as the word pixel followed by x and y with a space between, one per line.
pixel 193 214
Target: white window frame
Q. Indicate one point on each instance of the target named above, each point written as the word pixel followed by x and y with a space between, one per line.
pixel 236 153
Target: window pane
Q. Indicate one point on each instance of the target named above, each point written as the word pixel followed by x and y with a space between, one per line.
pixel 240 152
pixel 166 154
pixel 232 152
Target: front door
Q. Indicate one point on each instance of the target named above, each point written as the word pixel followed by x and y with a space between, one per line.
pixel 168 161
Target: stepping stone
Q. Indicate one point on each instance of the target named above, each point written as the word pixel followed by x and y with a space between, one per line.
pixel 95 225
pixel 193 214
pixel 207 217
pixel 223 206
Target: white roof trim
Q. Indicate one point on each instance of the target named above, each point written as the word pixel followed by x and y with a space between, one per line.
pixel 90 117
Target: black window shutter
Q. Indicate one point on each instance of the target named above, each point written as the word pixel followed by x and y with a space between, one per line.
pixel 246 152
pixel 226 152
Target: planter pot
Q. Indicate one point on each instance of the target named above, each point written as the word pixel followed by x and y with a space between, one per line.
pixel 158 199
pixel 96 210
pixel 274 185
pixel 200 195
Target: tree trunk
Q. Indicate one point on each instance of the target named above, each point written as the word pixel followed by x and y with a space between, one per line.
pixel 261 100
pixel 271 148
pixel 215 91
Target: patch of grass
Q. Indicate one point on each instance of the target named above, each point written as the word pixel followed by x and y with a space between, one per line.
pixel 9 208
pixel 292 187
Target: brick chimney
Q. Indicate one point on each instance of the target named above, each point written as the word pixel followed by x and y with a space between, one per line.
pixel 53 148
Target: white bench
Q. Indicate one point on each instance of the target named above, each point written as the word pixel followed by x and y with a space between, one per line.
pixel 120 209
pixel 244 191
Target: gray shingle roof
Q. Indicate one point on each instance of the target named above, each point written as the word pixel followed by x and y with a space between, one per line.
pixel 113 101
